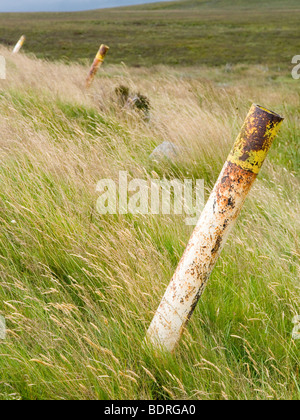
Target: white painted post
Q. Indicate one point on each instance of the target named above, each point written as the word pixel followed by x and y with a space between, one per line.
pixel 19 44
pixel 213 228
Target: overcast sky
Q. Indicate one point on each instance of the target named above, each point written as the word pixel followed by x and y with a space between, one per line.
pixel 63 5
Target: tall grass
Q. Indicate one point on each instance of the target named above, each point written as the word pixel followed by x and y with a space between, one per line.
pixel 78 290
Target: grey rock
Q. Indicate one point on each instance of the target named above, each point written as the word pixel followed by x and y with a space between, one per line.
pixel 166 150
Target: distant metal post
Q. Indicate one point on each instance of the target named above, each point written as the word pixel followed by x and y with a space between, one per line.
pixel 213 227
pixel 19 44
pixel 96 64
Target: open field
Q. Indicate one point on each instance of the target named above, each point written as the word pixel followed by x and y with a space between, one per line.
pixel 79 290
pixel 176 33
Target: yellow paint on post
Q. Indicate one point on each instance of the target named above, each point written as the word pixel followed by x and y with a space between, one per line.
pixel 257 135
pixel 100 57
pixel 98 61
pixel 19 44
pixel 213 228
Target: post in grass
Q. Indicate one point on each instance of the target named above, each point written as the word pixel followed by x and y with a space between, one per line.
pixel 98 61
pixel 213 228
pixel 19 44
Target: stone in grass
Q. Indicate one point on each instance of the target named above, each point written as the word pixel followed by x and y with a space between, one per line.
pixel 136 101
pixel 166 150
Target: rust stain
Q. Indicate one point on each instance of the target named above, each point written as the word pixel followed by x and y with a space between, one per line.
pixel 96 64
pixel 213 228
pixel 256 137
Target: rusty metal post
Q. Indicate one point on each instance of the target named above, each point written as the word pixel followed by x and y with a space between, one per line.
pixel 19 44
pixel 213 227
pixel 96 64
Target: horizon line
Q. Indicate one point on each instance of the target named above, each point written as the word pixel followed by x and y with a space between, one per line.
pixel 88 10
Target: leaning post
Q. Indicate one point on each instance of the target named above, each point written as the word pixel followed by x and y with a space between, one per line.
pixel 98 61
pixel 213 228
pixel 19 44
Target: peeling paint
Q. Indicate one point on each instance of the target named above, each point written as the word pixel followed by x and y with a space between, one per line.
pixel 257 135
pixel 213 228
